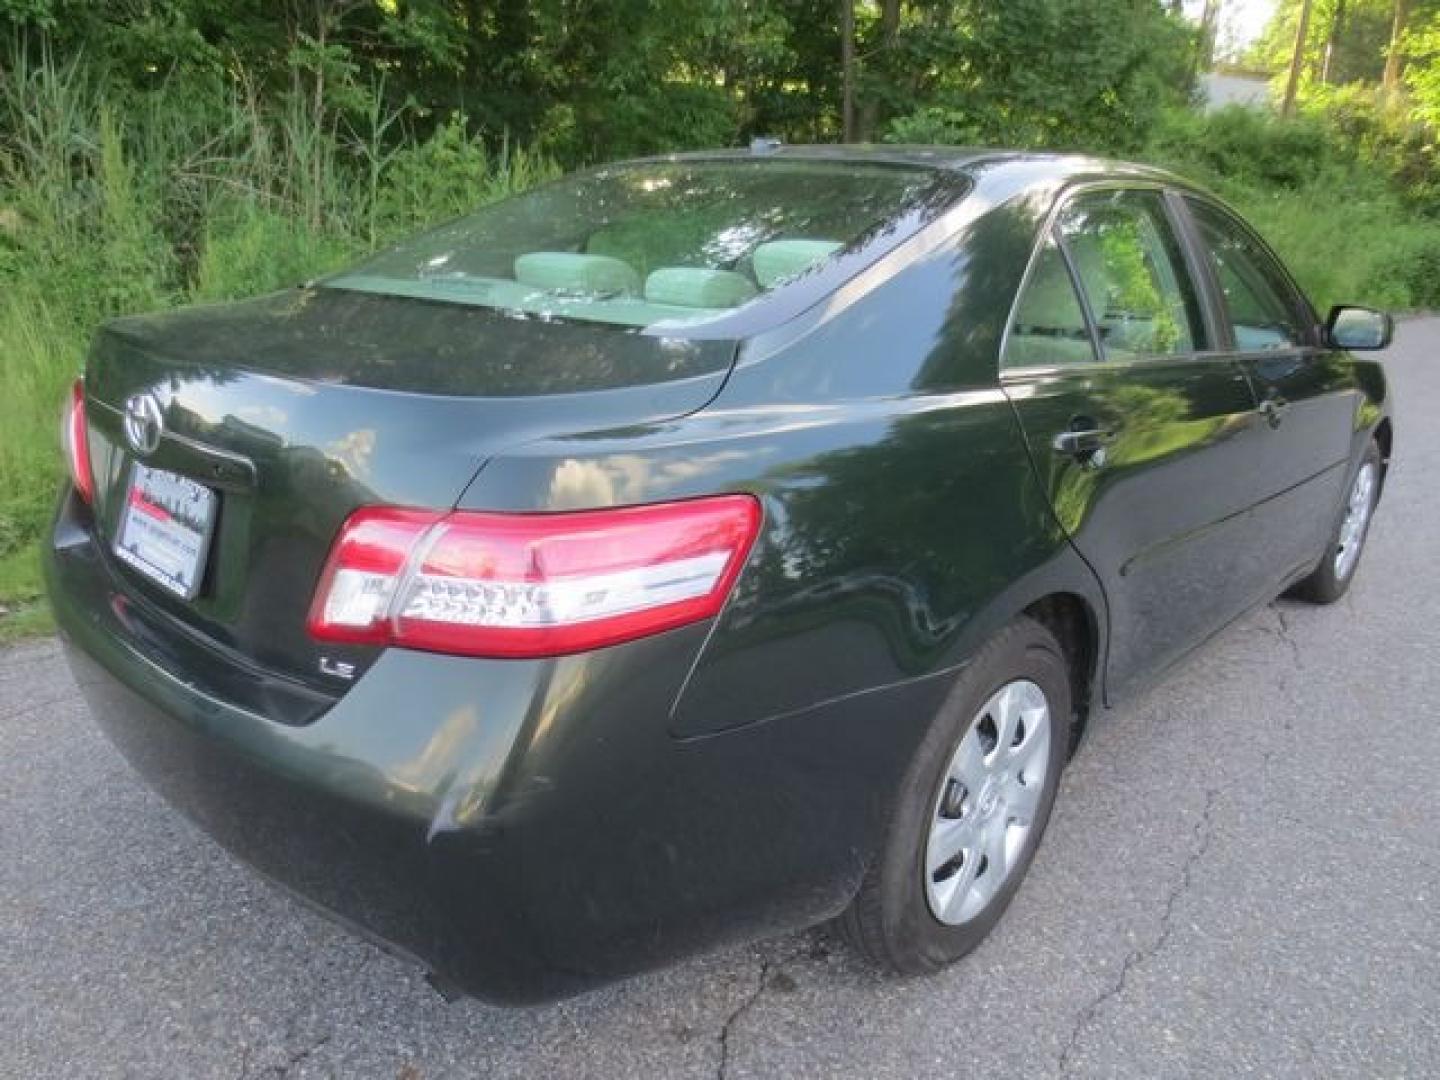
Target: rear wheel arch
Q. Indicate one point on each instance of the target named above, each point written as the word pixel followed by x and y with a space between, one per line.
pixel 1385 439
pixel 1076 626
pixel 890 920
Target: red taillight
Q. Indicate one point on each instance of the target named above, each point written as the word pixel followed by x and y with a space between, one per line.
pixel 524 585
pixel 76 440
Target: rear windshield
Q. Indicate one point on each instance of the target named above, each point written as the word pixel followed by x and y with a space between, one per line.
pixel 650 243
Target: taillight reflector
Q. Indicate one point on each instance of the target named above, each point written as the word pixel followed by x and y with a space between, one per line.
pixel 75 438
pixel 526 585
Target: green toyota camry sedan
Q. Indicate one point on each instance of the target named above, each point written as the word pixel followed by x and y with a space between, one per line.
pixel 701 547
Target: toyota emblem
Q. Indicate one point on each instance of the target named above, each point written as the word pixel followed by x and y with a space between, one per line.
pixel 143 423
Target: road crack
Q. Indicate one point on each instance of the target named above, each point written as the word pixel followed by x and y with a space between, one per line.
pixel 1285 675
pixel 723 1039
pixel 771 968
pixel 1283 632
pixel 298 1057
pixel 1201 837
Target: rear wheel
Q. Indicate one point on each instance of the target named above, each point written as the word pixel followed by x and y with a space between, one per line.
pixel 972 808
pixel 1332 577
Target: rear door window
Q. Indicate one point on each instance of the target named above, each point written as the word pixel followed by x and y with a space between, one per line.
pixel 1258 299
pixel 1049 328
pixel 1133 274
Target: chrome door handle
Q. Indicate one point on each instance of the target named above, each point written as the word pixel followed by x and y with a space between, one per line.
pixel 1273 409
pixel 1085 445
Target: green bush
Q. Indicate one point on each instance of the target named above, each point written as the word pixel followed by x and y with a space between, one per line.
pixel 250 249
pixel 1385 138
pixel 645 119
pixel 1058 74
pixel 202 193
pixel 1242 145
pixel 42 346
pixel 1348 246
pixel 1349 230
pixel 935 124
pixel 450 172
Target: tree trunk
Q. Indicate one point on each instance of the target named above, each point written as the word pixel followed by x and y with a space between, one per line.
pixel 869 117
pixel 847 70
pixel 1297 60
pixel 511 87
pixel 1205 44
pixel 474 42
pixel 1395 57
pixel 1337 27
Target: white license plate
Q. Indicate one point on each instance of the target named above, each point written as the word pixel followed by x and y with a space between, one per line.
pixel 165 528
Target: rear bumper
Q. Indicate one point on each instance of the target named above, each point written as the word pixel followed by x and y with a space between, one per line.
pixel 528 829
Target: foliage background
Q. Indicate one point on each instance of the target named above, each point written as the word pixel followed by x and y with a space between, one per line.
pixel 159 152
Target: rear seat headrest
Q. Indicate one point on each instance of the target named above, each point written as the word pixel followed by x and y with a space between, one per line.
pixel 574 272
pixel 779 259
pixel 698 287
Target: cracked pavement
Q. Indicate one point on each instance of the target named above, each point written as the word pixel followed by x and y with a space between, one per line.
pixel 1242 877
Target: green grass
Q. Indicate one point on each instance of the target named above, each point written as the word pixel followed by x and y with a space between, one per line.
pixel 1347 228
pixel 1349 245
pixel 23 611
pixel 113 208
pixel 41 354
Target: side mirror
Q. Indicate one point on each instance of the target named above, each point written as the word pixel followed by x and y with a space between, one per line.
pixel 1358 328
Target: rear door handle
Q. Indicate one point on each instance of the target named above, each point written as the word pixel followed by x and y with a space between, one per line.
pixel 1273 408
pixel 1085 444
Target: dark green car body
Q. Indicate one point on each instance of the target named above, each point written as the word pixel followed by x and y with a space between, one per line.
pixel 532 827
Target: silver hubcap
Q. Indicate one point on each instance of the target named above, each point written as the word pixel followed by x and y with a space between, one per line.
pixel 987 802
pixel 1357 521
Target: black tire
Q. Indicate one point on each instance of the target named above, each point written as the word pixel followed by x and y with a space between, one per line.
pixel 890 920
pixel 1327 583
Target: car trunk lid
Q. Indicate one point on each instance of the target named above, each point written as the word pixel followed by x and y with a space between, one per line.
pixel 298 408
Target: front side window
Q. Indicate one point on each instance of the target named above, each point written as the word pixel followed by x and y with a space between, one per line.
pixel 1133 274
pixel 1255 290
pixel 654 242
pixel 1049 325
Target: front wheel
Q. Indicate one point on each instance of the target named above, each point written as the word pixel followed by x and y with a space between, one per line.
pixel 972 807
pixel 1332 577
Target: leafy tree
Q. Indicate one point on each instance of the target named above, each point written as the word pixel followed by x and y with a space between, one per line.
pixel 1422 75
pixel 1348 40
pixel 598 78
pixel 993 72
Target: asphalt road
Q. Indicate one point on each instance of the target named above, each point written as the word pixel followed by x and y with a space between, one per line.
pixel 1242 877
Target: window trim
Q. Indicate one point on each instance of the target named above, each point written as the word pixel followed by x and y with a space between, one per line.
pixel 1300 307
pixel 1092 325
pixel 1047 236
pixel 1198 281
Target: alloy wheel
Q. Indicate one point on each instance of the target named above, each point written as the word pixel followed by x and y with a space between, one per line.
pixel 1356 522
pixel 987 803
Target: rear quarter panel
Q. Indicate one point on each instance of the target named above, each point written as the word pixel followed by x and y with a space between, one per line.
pixel 902 522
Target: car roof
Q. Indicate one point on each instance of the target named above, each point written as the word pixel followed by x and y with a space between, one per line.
pixel 968 160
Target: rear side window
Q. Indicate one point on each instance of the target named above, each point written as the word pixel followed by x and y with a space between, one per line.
pixel 1257 296
pixel 1049 326
pixel 655 242
pixel 1133 274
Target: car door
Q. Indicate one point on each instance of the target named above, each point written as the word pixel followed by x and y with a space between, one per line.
pixel 1136 424
pixel 1306 392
